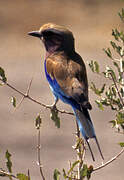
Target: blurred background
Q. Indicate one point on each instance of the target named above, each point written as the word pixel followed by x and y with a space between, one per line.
pixel 22 58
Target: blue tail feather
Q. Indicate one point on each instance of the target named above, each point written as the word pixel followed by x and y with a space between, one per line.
pixel 86 127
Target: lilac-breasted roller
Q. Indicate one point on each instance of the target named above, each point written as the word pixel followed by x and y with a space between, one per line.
pixel 66 73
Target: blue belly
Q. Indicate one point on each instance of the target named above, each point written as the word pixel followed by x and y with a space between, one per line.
pixel 58 92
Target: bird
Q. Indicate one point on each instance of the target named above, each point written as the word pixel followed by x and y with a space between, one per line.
pixel 66 74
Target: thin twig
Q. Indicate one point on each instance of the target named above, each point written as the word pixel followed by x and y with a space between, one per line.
pixel 80 153
pixel 4 173
pixel 26 95
pixel 110 161
pixel 29 175
pixel 78 150
pixel 38 152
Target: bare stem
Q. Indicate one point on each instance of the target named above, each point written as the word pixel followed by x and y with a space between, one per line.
pixel 80 152
pixel 4 173
pixel 38 153
pixel 110 161
pixel 26 95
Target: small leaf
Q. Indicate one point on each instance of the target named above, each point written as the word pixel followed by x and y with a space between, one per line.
pixel 9 162
pixel 72 167
pixel 113 123
pixel 90 170
pixel 83 171
pixel 96 90
pixel 2 74
pixel 64 174
pixel 102 89
pixel 116 47
pixel 116 34
pixel 119 71
pixel 122 36
pixel 100 105
pixel 91 66
pixel 121 144
pixel 94 66
pixel 54 116
pixel 13 101
pixel 120 118
pixel 86 172
pixel 121 14
pixel 56 175
pixel 22 176
pixel 38 122
pixel 108 53
pixel 113 90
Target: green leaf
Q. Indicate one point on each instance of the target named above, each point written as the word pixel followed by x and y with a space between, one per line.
pixel 90 170
pixel 119 72
pixel 56 175
pixel 100 105
pixel 86 172
pixel 91 66
pixel 83 171
pixel 54 116
pixel 121 14
pixel 121 144
pixel 72 167
pixel 64 174
pixel 96 90
pixel 113 123
pixel 117 48
pixel 13 101
pixel 117 66
pixel 122 36
pixel 38 122
pixel 105 102
pixel 22 176
pixel 9 162
pixel 102 89
pixel 2 75
pixel 116 34
pixel 108 53
pixel 120 118
pixel 94 66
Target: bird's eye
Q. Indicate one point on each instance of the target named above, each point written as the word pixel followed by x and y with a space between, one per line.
pixel 47 33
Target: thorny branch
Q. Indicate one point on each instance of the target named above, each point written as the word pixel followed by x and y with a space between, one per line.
pixel 26 95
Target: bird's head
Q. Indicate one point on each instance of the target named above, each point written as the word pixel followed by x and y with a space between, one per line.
pixel 55 38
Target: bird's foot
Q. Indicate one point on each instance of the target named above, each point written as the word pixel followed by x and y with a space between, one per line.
pixel 52 106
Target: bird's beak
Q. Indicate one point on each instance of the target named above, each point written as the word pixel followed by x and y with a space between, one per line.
pixel 35 34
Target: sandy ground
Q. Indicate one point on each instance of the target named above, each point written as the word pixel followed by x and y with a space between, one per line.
pixel 22 58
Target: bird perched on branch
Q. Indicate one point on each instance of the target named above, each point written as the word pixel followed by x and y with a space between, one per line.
pixel 66 74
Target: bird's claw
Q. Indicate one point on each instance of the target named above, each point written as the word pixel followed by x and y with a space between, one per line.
pixel 52 106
